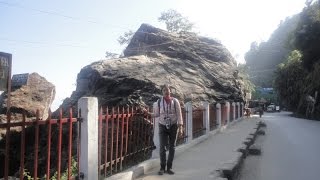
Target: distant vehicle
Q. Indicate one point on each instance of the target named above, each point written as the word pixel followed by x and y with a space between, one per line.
pixel 271 108
pixel 278 108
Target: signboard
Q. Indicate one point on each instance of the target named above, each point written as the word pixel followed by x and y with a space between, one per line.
pixel 19 80
pixel 5 71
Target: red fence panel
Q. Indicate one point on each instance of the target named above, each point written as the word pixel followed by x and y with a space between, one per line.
pixel 231 113
pixel 36 142
pixel 213 117
pixel 126 139
pixel 183 138
pixel 237 109
pixel 197 123
pixel 223 114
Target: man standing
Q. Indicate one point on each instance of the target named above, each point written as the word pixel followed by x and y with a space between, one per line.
pixel 170 121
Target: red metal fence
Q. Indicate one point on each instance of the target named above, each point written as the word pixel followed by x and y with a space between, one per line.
pixel 224 112
pixel 197 123
pixel 213 117
pixel 48 149
pixel 237 109
pixel 40 148
pixel 183 138
pixel 125 139
pixel 231 113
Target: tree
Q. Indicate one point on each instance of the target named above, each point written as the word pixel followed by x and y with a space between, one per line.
pixel 307 35
pixel 290 78
pixel 126 37
pixel 110 55
pixel 175 22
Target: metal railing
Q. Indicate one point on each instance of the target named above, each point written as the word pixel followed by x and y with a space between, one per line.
pixel 125 139
pixel 213 117
pixel 40 148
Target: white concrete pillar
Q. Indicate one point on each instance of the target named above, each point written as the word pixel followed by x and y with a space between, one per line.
pixel 234 111
pixel 218 114
pixel 155 152
pixel 238 104
pixel 228 112
pixel 206 120
pixel 188 107
pixel 88 106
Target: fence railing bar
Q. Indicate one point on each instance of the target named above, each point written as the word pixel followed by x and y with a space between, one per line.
pixel 36 146
pixel 59 145
pixel 122 133
pixel 6 161
pixel 117 138
pixel 112 130
pixel 70 145
pixel 106 141
pixel 22 146
pixel 32 123
pixel 48 147
pixel 127 131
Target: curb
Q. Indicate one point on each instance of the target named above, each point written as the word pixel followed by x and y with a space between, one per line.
pixel 231 170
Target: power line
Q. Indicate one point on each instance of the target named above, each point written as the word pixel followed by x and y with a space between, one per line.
pixel 79 19
pixel 41 43
pixel 58 14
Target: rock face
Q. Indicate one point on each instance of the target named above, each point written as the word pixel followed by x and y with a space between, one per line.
pixel 36 93
pixel 197 68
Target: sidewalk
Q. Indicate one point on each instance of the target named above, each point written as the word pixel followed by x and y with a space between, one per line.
pixel 201 160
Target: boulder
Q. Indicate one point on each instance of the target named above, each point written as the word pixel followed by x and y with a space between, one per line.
pixel 198 69
pixel 35 94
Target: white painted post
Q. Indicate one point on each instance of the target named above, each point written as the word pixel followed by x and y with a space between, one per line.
pixel 218 114
pixel 238 104
pixel 188 106
pixel 234 111
pixel 228 112
pixel 206 120
pixel 89 137
pixel 155 152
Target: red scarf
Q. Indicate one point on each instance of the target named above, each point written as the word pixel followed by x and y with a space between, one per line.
pixel 167 99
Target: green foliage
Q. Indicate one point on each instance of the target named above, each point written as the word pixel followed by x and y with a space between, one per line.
pixel 307 35
pixel 126 37
pixel 290 79
pixel 27 175
pixel 64 175
pixel 249 87
pixel 175 22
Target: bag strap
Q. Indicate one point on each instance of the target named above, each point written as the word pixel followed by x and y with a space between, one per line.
pixel 174 105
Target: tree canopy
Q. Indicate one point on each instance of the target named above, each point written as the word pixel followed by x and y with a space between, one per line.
pixel 175 22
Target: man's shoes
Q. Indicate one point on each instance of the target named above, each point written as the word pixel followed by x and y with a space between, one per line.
pixel 169 171
pixel 161 172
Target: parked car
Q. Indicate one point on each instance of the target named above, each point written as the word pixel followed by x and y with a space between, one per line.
pixel 271 108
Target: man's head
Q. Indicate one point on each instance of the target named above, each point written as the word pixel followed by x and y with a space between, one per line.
pixel 166 90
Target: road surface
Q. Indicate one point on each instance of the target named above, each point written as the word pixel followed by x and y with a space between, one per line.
pixel 290 150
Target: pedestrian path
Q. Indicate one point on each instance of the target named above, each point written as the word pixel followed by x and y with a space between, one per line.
pixel 201 161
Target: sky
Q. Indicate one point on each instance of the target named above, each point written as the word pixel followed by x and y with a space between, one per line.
pixel 57 38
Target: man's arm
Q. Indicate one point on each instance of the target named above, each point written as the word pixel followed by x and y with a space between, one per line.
pixel 179 114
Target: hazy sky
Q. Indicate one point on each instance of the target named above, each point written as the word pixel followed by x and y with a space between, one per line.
pixel 57 38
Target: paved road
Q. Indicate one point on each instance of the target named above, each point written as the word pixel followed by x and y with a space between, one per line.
pixel 291 150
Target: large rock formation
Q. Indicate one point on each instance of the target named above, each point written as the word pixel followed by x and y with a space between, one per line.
pixel 32 94
pixel 198 68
